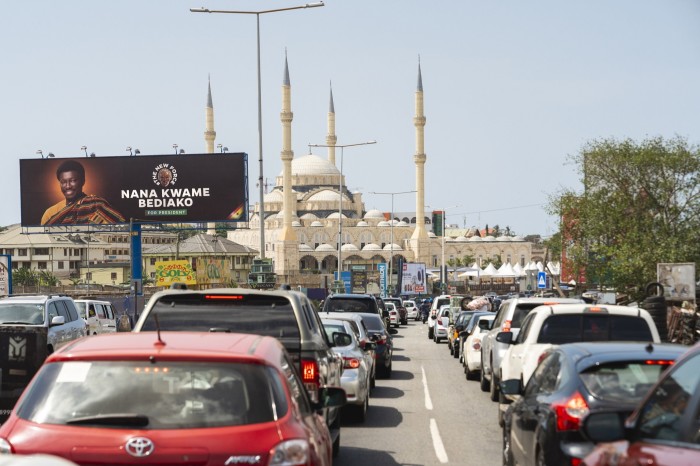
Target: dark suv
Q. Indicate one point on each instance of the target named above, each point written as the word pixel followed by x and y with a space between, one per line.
pixel 287 315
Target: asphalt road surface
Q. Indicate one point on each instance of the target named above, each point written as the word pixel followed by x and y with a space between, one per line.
pixel 427 413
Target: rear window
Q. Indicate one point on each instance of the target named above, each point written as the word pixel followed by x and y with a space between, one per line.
pixel 350 305
pixel 21 313
pixel 259 314
pixel 161 394
pixel 520 312
pixel 571 328
pixel 625 382
pixel 373 323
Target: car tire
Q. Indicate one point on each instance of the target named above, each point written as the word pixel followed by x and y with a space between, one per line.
pixel 388 371
pixel 336 443
pixel 373 381
pixel 430 332
pixel 483 381
pixel 455 352
pixel 493 389
pixel 471 375
pixel 361 410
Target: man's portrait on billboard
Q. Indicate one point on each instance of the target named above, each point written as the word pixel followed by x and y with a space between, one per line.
pixel 78 207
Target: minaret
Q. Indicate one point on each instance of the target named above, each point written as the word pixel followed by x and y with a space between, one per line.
pixel 331 138
pixel 209 137
pixel 419 159
pixel 286 116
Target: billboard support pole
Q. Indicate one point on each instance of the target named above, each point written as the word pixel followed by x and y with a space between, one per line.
pixel 136 266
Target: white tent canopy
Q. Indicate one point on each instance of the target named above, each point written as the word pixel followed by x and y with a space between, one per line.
pixel 506 271
pixel 489 271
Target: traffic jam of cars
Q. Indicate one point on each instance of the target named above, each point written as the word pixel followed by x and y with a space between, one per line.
pixel 236 376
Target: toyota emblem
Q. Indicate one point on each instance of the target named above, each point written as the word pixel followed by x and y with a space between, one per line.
pixel 139 447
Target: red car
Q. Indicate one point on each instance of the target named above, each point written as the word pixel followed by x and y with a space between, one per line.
pixel 663 430
pixel 171 398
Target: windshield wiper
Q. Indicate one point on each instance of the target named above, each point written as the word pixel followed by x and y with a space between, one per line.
pixel 120 419
pixel 19 322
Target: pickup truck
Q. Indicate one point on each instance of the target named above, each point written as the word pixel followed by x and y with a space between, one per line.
pixel 288 316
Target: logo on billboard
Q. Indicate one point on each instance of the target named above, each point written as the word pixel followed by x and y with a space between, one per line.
pixel 164 174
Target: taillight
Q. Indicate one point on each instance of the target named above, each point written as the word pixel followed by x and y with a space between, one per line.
pixel 506 326
pixel 290 453
pixel 309 375
pixel 351 363
pixel 659 362
pixel 570 412
pixel 476 344
pixel 541 357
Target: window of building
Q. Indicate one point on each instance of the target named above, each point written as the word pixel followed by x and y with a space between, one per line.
pixel 153 261
pixel 21 252
pixel 41 265
pixel 41 251
pixel 113 275
pixel 61 265
pixel 88 276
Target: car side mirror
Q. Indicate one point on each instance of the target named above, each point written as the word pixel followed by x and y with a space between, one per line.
pixel 341 339
pixel 330 397
pixel 604 427
pixel 58 320
pixel 368 345
pixel 511 387
pixel 504 337
pixel 385 314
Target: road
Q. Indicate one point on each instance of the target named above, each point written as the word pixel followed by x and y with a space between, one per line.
pixel 426 414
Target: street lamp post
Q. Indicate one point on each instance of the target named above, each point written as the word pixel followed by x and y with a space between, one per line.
pixel 391 226
pixel 443 271
pixel 340 196
pixel 260 137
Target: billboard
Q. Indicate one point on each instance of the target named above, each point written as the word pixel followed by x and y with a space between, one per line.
pixel 154 188
pixel 177 271
pixel 678 280
pixel 413 278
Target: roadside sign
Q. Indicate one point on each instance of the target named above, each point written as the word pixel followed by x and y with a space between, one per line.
pixel 541 280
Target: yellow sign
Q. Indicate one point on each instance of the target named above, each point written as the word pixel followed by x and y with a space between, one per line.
pixel 213 271
pixel 169 272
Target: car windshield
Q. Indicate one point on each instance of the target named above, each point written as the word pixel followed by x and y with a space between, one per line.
pixel 21 313
pixel 349 305
pixel 154 395
pixel 81 309
pixel 625 382
pixel 258 314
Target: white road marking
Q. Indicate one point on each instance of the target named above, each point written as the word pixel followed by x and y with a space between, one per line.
pixel 437 442
pixel 428 401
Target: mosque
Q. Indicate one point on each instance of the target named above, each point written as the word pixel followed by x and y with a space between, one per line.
pixel 303 210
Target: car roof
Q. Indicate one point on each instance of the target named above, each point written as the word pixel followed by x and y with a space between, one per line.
pixel 350 295
pixel 33 298
pixel 588 354
pixel 343 315
pixel 589 308
pixel 539 299
pixel 173 346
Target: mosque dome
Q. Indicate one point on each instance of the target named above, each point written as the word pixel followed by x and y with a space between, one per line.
pixel 349 247
pixel 518 238
pixel 383 223
pixel 335 215
pixel 305 248
pixel 362 223
pixel 316 223
pixel 489 238
pixel 402 224
pixel 475 239
pixel 296 223
pixel 309 216
pixel 503 238
pixel 461 239
pixel 374 213
pixel 432 234
pixel 274 196
pixel 371 247
pixel 396 247
pixel 325 248
pixel 327 195
pixel 312 165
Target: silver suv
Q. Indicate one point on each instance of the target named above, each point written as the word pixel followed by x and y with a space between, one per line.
pixel 54 314
pixel 509 317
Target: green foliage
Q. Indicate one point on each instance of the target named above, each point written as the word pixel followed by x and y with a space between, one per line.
pixel 25 276
pixel 639 206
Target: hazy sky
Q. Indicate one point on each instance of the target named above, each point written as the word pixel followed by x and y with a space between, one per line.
pixel 511 88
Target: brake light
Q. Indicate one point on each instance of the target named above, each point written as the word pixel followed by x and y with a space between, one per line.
pixel 506 326
pixel 309 375
pixel 224 297
pixel 476 344
pixel 570 412
pixel 351 363
pixel 576 461
pixel 599 309
pixel 660 362
pixel 541 357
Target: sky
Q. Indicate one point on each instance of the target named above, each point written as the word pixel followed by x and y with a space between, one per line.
pixel 511 89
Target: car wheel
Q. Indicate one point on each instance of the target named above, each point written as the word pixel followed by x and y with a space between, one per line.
pixel 471 375
pixel 493 389
pixel 539 457
pixel 483 381
pixel 455 351
pixel 373 381
pixel 361 410
pixel 336 442
pixel 501 417
pixel 430 332
pixel 507 451
pixel 388 371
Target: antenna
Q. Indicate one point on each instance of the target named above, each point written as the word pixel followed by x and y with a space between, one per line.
pixel 160 341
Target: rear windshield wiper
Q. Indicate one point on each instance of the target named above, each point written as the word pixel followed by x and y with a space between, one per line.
pixel 120 419
pixel 220 329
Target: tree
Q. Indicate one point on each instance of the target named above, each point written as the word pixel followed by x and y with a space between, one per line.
pixel 24 276
pixel 47 278
pixel 640 205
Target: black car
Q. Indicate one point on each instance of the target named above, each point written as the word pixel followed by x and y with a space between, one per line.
pixel 382 337
pixel 356 302
pixel 542 426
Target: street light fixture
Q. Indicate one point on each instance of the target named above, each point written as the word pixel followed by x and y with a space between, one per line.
pixel 85 149
pixel 391 225
pixel 260 137
pixel 340 195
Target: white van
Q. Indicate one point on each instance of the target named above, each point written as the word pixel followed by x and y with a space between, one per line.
pixel 99 315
